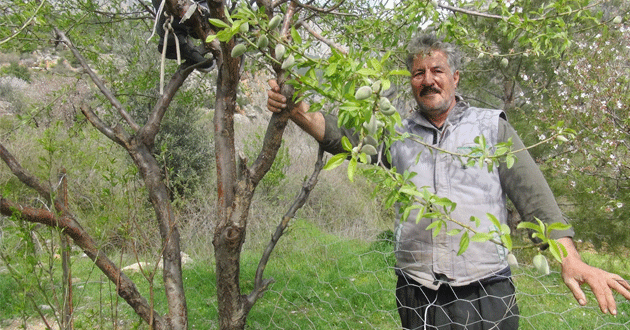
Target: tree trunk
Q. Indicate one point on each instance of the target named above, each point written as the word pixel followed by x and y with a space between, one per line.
pixel 228 235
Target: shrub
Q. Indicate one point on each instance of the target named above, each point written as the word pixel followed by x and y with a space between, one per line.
pixel 18 71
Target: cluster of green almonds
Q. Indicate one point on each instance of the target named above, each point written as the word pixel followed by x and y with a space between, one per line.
pixel 384 104
pixel 263 43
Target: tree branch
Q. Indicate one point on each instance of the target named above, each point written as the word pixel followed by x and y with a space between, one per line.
pixel 23 175
pixel 97 81
pixel 125 288
pixel 115 134
pixel 260 285
pixel 148 132
pixel 278 121
pixel 321 38
pixel 469 12
pixel 330 10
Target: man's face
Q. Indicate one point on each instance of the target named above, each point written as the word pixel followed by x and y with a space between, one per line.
pixel 433 84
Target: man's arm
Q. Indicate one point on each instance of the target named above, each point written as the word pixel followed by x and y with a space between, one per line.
pixel 321 127
pixel 530 193
pixel 312 123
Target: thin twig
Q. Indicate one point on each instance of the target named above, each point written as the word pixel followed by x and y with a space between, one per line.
pixel 27 23
pixel 97 81
pixel 321 38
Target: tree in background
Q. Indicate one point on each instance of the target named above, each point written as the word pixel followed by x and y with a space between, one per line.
pixel 326 51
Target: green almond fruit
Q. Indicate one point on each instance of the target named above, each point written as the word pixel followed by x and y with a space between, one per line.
pixel 244 28
pixel 384 102
pixel 617 20
pixel 376 86
pixel 541 264
pixel 388 111
pixel 280 50
pixel 288 62
pixel 262 42
pixel 369 150
pixel 238 50
pixel 363 93
pixel 511 259
pixel 505 62
pixel 275 22
pixel 368 139
pixel 370 126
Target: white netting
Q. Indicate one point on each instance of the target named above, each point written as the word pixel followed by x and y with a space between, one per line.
pixel 346 289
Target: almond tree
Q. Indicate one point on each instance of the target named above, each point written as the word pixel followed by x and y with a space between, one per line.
pixel 343 55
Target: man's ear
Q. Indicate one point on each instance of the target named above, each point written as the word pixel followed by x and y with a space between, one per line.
pixel 456 77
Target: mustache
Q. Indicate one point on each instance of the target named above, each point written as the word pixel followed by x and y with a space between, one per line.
pixel 428 90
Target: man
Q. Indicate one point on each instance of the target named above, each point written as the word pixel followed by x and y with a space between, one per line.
pixel 437 289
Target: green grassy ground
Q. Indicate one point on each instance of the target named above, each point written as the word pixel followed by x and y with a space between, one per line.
pixel 322 282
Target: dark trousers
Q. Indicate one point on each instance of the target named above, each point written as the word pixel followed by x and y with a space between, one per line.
pixel 477 306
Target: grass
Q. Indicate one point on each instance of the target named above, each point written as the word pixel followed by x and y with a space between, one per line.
pixel 322 281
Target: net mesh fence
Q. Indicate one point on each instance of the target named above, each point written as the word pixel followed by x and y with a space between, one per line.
pixel 351 284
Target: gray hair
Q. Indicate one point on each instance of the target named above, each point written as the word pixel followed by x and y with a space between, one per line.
pixel 426 43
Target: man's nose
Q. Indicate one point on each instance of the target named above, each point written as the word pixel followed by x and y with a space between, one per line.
pixel 428 79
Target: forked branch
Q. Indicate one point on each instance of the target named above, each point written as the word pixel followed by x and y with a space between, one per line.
pixel 308 186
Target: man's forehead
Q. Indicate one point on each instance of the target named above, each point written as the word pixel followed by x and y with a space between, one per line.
pixel 433 58
pixel 430 53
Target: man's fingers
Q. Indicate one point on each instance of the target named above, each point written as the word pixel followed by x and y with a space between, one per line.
pixel 273 104
pixel 274 85
pixel 604 296
pixel 578 294
pixel 276 100
pixel 625 285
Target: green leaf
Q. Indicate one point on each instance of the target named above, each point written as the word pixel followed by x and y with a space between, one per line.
pixel 481 237
pixel 505 229
pixel 494 220
pixel 335 161
pixel 367 72
pixel 405 214
pixel 420 214
pixel 400 73
pixel 346 144
pixel 476 220
pixel 528 225
pixel 433 215
pixel 558 226
pixel 295 36
pixel 376 64
pixel 453 232
pixel 219 23
pixel 410 190
pixel 211 38
pixel 445 202
pixel 436 226
pixel 352 169
pixel 555 250
pixel 510 160
pixel 507 241
pixel 463 243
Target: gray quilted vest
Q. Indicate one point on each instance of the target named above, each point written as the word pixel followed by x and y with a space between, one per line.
pixel 433 260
